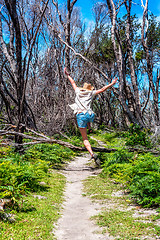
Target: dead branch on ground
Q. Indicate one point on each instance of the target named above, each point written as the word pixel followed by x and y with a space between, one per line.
pixel 38 138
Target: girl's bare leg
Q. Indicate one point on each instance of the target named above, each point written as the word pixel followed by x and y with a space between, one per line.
pixel 87 144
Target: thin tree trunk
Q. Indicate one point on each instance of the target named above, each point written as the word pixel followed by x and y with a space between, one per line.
pixel 117 45
pixel 149 62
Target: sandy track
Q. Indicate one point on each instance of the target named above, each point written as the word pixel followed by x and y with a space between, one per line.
pixel 75 223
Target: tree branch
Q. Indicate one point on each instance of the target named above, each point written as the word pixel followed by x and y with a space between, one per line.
pixel 72 4
pixel 45 139
pixel 144 38
pixel 6 53
pixel 59 14
pixel 85 59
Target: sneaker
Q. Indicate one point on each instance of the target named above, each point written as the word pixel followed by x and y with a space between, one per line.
pixel 96 159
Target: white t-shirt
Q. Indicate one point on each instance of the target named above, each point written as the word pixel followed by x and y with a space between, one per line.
pixel 83 101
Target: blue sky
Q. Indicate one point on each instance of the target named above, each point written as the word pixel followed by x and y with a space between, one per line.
pixel 86 8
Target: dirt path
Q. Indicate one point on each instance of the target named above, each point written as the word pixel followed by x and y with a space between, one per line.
pixel 75 223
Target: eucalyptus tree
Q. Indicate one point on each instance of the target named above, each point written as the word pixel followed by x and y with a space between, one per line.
pixel 115 42
pixel 150 38
pixel 136 55
pixel 127 89
pixel 62 24
pixel 19 26
pixel 100 51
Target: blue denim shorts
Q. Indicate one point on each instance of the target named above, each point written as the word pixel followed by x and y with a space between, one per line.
pixel 83 119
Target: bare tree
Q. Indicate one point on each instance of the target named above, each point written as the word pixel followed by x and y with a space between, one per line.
pixel 18 57
pixel 150 63
pixel 66 24
pixel 124 90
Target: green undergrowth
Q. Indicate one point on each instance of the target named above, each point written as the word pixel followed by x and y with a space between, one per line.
pixel 20 174
pixel 20 178
pixel 137 136
pixel 36 217
pixel 115 218
pixel 77 140
pixel 138 172
pixel 53 154
pixel 114 139
pixel 134 137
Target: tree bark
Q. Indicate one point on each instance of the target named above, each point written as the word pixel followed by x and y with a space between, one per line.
pixel 18 69
pixel 138 113
pixel 150 63
pixel 117 45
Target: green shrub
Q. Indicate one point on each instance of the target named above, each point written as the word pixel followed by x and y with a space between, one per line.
pixel 116 164
pixel 12 173
pixel 13 192
pixel 18 178
pixel 141 175
pixel 144 176
pixel 117 171
pixel 120 156
pixel 146 189
pixel 54 155
pixel 138 136
pixel 20 174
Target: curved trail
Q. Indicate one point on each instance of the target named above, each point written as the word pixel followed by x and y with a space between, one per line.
pixel 75 223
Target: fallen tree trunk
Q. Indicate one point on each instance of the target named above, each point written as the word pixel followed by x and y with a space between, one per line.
pixel 36 140
pixel 44 139
pixel 109 150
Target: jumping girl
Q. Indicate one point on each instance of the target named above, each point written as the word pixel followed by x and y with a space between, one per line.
pixel 82 108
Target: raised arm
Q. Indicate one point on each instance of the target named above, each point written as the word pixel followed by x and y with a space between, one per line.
pixel 107 86
pixel 70 79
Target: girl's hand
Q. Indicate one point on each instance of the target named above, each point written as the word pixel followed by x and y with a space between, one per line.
pixel 65 71
pixel 114 80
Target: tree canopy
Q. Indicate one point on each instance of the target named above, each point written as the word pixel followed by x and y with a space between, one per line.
pixel 39 38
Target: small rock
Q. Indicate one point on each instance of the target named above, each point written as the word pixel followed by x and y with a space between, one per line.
pixel 42 183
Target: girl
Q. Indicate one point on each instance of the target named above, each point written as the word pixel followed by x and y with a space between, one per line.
pixel 82 108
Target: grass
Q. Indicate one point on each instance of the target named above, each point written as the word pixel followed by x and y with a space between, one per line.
pixel 112 140
pixel 121 224
pixel 115 218
pixel 99 188
pixel 36 218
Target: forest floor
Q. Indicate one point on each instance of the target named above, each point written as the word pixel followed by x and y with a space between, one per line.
pixel 81 209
